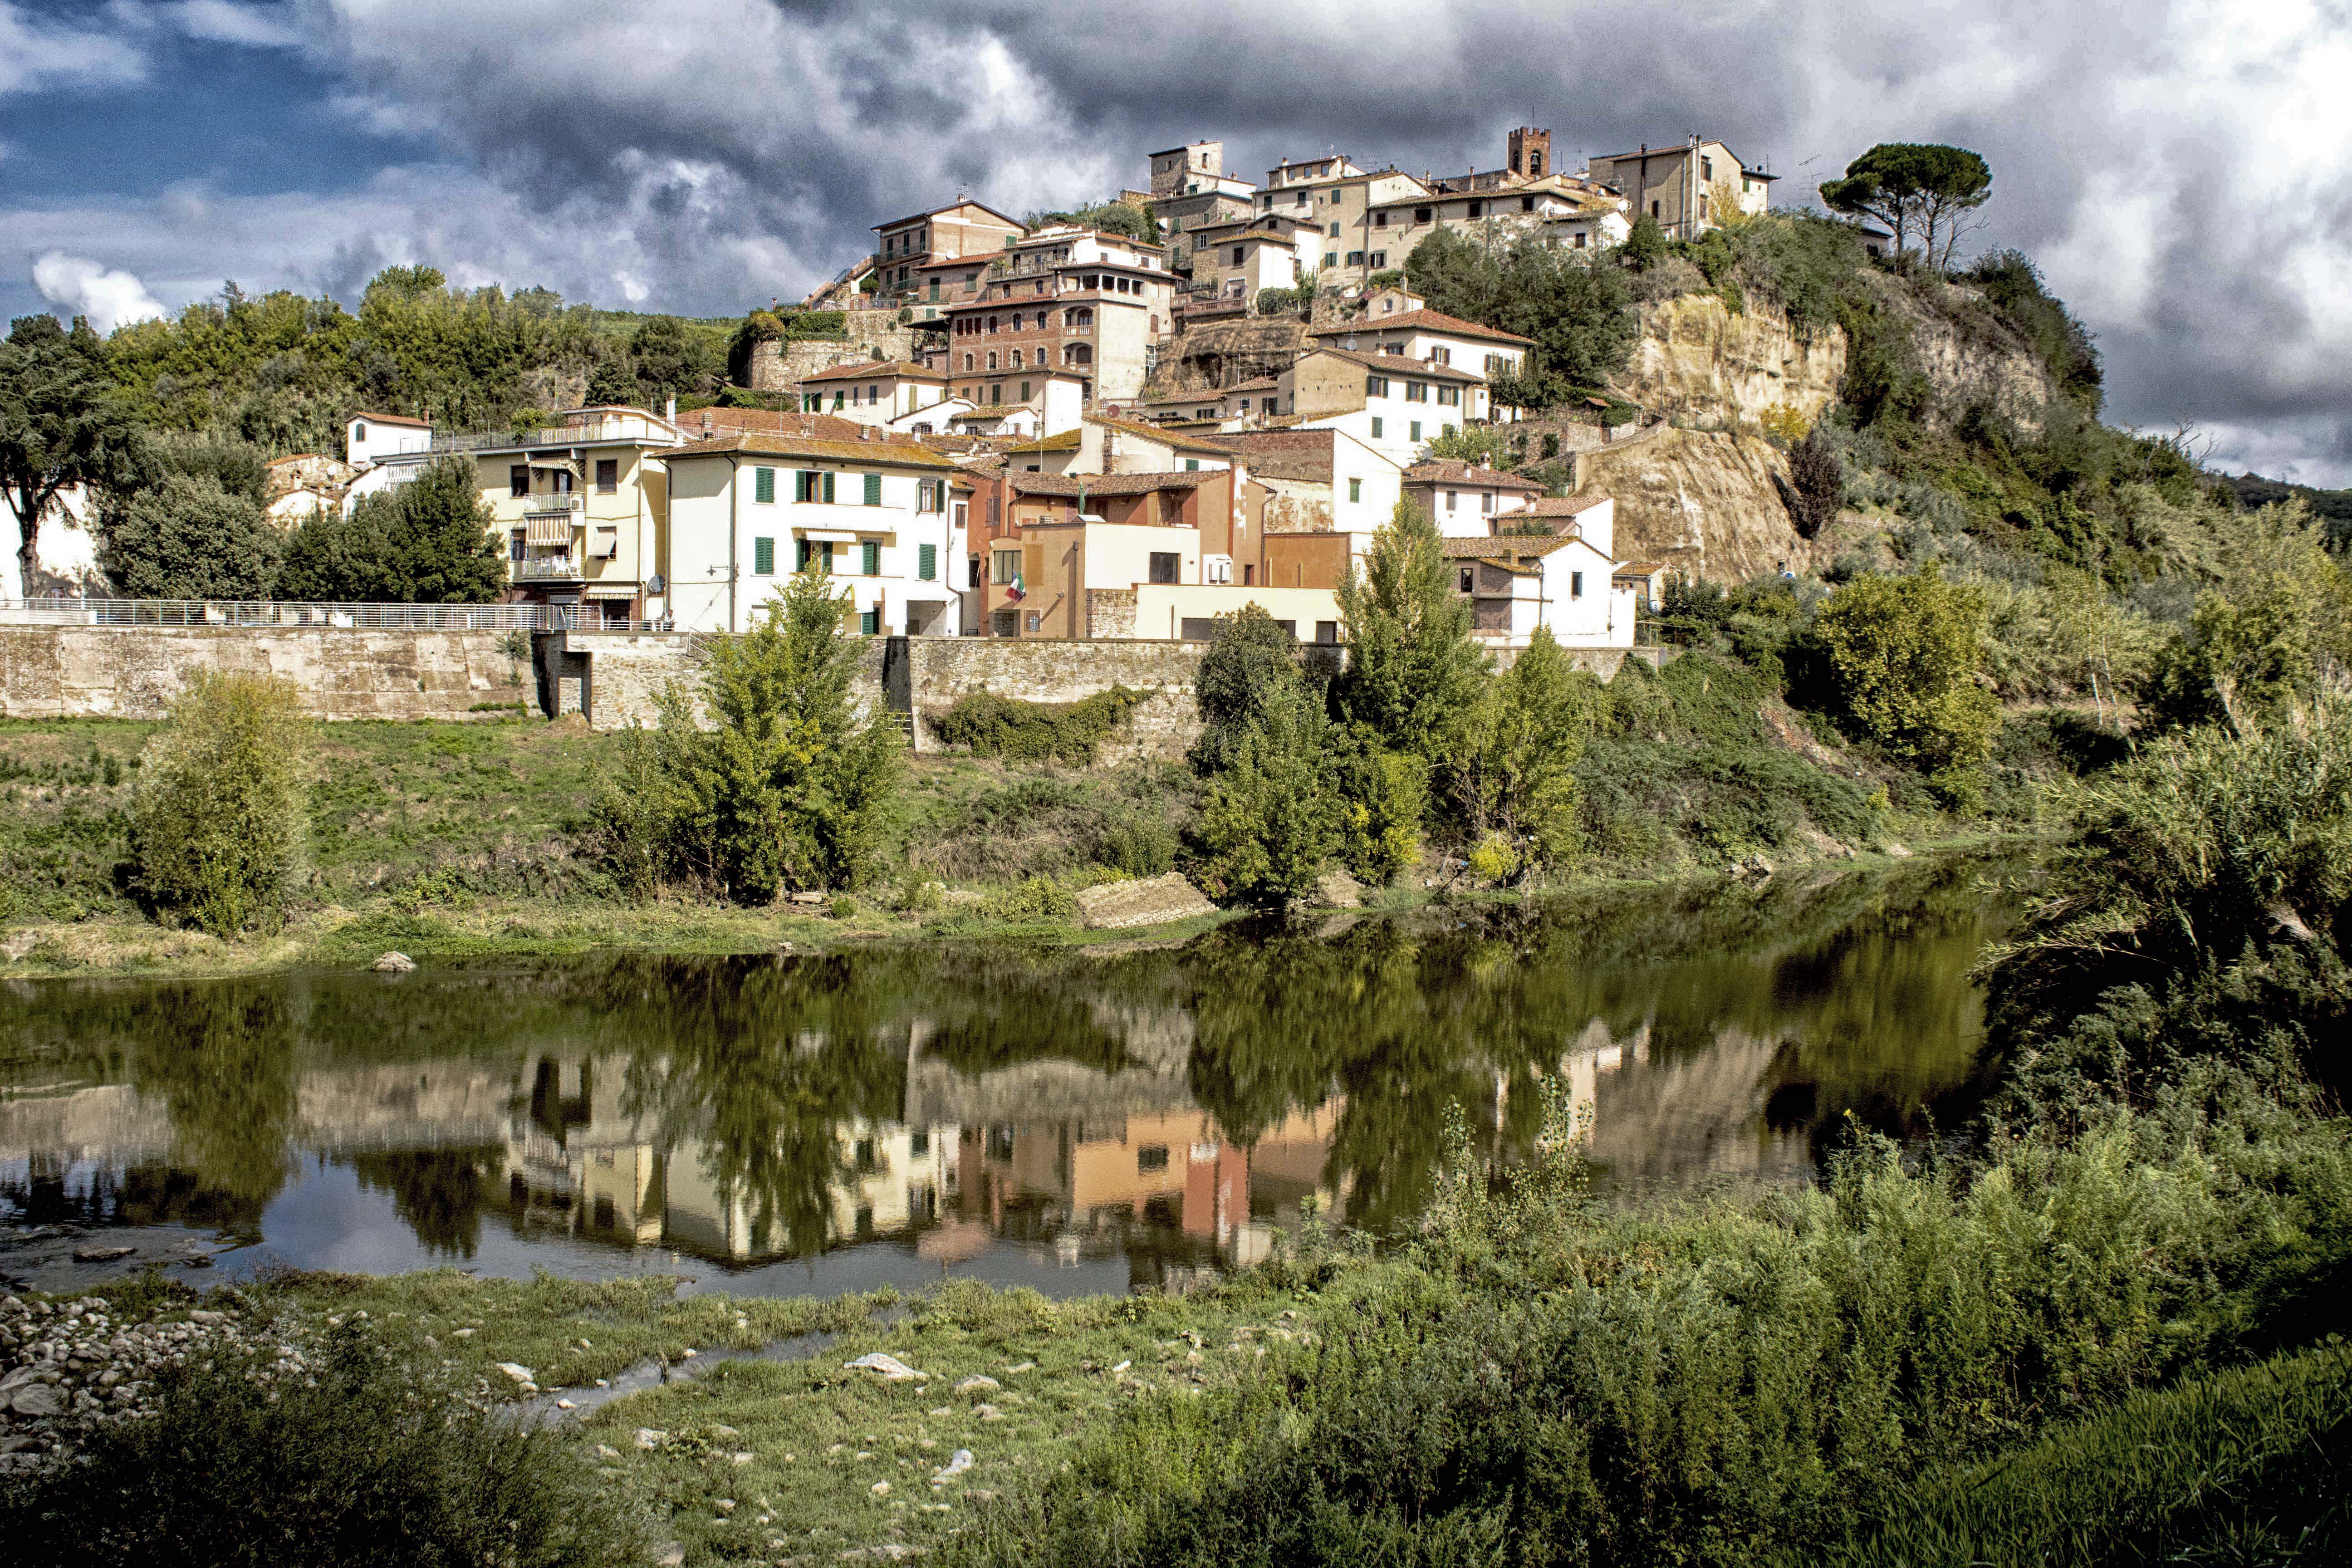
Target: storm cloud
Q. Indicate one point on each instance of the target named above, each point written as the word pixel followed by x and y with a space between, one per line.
pixel 2181 173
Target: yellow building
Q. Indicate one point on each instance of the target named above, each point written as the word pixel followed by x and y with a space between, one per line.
pixel 582 508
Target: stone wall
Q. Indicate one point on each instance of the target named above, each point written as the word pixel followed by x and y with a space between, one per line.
pixel 777 365
pixel 135 672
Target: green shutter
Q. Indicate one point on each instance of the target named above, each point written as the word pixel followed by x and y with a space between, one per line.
pixel 871 555
pixel 873 490
pixel 763 555
pixel 927 562
pixel 763 484
pixel 870 623
pixel 1192 465
pixel 828 501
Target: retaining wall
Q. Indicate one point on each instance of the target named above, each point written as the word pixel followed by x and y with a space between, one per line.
pixel 136 672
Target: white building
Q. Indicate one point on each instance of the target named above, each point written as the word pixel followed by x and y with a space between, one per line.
pixel 883 393
pixel 746 511
pixel 370 437
pixel 1418 332
pixel 1392 404
pixel 1566 580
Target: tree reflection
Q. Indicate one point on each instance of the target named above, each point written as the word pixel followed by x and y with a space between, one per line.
pixel 225 1070
pixel 436 1191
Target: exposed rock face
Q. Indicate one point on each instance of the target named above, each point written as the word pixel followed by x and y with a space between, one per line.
pixel 1968 355
pixel 1226 353
pixel 1695 358
pixel 1702 502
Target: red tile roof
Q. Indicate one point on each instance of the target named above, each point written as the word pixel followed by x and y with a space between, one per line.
pixel 394 419
pixel 1399 366
pixel 871 369
pixel 1421 320
pixel 1446 472
pixel 1107 484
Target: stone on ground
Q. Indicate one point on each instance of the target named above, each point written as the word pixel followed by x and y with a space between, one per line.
pixel 1337 890
pixel 1148 901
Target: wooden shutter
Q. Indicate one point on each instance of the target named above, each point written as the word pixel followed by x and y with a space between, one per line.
pixel 873 490
pixel 763 556
pixel 763 484
pixel 870 554
pixel 927 562
pixel 828 497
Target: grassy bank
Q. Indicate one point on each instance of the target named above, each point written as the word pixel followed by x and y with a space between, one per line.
pixel 456 839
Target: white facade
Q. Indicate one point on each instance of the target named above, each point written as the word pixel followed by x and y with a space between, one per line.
pixel 1430 337
pixel 743 520
pixel 875 394
pixel 389 471
pixel 370 437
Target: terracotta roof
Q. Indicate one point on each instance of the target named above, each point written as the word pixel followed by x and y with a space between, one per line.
pixel 1107 484
pixel 1505 547
pixel 394 419
pixel 887 454
pixel 1422 321
pixel 1309 455
pixel 869 369
pixel 1399 366
pixel 767 422
pixel 1158 433
pixel 1559 506
pixel 1446 472
pixel 1067 441
pixel 935 211
pixel 1255 383
pixel 1638 568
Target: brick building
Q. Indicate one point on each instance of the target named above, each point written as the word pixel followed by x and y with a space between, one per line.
pixel 1090 304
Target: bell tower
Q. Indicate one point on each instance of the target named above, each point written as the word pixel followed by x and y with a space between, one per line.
pixel 1530 153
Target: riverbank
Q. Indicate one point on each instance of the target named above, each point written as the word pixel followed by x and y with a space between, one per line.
pixel 468 840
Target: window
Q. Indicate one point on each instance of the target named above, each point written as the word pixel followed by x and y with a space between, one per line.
pixel 1417 392
pixel 1192 465
pixel 519 545
pixel 1034 618
pixel 1237 255
pixel 1164 565
pixel 1379 220
pixel 1016 360
pixel 1025 392
pixel 1451 396
pixel 1485 500
pixel 1334 229
pixel 991 324
pixel 996 392
pixel 1478 209
pixel 1421 214
pixel 1330 259
pixel 1356 487
pixel 1527 204
pixel 1415 433
pixel 813 487
pixel 1702 205
pixel 1082 322
pixel 1355 258
pixel 1376 386
pixel 518 479
pixel 805 552
pixel 359 431
pixel 927 562
pixel 1451 497
pixel 1706 168
pixel 1654 210
pixel 931 495
pixel 1467 579
pixel 763 557
pixel 967 359
pixel 763 484
pixel 1003 566
pixel 1441 356
pixel 992 359
pixel 1077 354
pixel 869 624
pixel 608 475
pixel 1580 241
pixel 1576 584
pixel 1376 427
pixel 869 552
pixel 1326 633
pixel 873 490
pixel 837 399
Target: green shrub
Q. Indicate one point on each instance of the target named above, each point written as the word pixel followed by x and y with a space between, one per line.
pixel 1035 901
pixel 218 826
pixel 1272 818
pixel 988 725
pixel 363 1460
pixel 1384 795
pixel 1905 652
pixel 1252 664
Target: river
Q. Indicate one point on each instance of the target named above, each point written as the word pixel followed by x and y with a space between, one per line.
pixel 1077 1121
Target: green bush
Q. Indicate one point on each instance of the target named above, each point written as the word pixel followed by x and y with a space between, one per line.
pixel 1383 796
pixel 364 1459
pixel 1035 901
pixel 218 826
pixel 988 725
pixel 1904 653
pixel 1251 663
pixel 793 789
pixel 1271 819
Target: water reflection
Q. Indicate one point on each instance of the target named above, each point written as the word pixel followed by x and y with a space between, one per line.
pixel 1153 1112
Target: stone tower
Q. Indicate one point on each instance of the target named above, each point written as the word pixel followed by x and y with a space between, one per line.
pixel 1530 153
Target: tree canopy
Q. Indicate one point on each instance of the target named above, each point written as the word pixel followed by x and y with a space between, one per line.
pixel 1914 188
pixel 1572 304
pixel 61 422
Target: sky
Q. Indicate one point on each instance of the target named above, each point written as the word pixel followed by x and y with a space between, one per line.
pixel 2180 170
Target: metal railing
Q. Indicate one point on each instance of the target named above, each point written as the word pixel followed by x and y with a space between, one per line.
pixel 68 612
pixel 547 569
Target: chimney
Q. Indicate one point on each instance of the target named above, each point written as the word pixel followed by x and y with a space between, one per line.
pixel 672 414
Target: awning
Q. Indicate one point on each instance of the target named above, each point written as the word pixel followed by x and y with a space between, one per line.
pixel 548 527
pixel 614 590
pixel 827 537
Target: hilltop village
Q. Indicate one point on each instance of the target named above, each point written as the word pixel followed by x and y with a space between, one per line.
pixel 1054 429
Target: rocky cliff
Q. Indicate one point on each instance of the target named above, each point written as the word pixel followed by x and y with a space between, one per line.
pixel 1697 359
pixel 1703 501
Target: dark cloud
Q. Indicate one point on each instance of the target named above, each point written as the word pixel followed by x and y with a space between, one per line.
pixel 2179 171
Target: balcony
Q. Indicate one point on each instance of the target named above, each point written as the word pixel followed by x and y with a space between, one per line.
pixel 563 568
